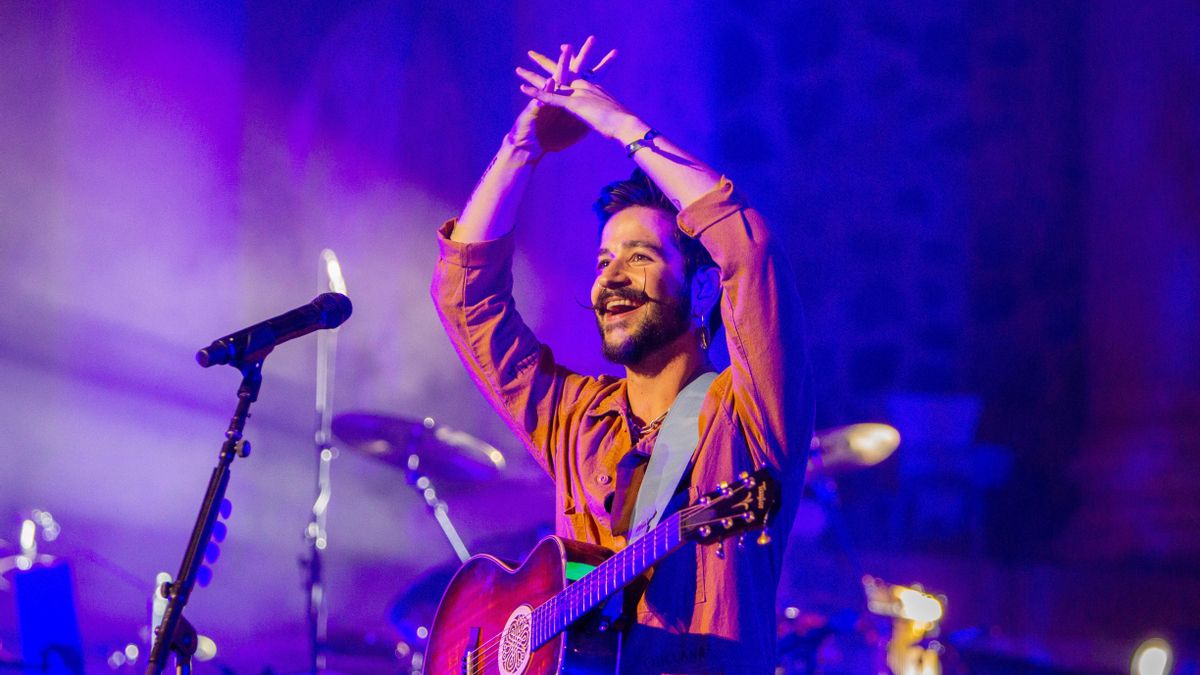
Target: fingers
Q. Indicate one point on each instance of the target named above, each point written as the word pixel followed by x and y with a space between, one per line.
pixel 576 64
pixel 544 97
pixel 581 57
pixel 560 69
pixel 547 64
pixel 612 54
pixel 532 78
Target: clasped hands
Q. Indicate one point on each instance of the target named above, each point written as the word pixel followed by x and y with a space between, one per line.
pixel 564 103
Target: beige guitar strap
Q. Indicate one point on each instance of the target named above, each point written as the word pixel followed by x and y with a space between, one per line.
pixel 673 450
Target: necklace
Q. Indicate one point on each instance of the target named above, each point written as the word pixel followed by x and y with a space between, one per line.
pixel 653 426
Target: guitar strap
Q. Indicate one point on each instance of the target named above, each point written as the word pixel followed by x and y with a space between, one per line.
pixel 673 450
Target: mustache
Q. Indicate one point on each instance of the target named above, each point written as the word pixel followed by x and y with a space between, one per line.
pixel 629 294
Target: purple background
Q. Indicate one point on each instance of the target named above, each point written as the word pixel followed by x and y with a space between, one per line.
pixel 993 208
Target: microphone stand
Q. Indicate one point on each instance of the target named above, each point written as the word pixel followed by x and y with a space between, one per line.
pixel 175 634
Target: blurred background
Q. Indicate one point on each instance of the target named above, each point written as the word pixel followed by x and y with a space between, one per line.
pixel 993 209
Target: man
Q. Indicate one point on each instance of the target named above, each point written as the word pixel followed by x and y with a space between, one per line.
pixel 656 296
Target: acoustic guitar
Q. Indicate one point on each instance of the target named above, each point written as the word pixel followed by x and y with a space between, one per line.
pixel 537 617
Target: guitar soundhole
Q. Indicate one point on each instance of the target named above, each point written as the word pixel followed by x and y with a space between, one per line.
pixel 514 646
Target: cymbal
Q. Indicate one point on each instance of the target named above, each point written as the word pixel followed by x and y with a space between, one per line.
pixel 422 445
pixel 853 446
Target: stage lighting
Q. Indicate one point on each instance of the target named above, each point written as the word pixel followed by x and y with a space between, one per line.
pixel 918 606
pixel 1152 657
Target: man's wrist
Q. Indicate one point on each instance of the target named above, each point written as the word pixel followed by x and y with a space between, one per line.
pixel 629 130
pixel 518 154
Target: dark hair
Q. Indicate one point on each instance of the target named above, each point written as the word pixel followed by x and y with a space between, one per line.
pixel 639 190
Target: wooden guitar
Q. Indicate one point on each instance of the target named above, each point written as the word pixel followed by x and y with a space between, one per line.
pixel 496 618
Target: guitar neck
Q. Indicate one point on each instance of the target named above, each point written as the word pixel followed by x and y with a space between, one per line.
pixel 555 615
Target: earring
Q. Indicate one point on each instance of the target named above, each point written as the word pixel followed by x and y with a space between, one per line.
pixel 705 336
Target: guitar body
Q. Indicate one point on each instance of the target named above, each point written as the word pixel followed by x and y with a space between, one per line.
pixel 485 594
pixel 493 616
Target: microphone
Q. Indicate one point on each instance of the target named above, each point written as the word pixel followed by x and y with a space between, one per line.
pixel 328 310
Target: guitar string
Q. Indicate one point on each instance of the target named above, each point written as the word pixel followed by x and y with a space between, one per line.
pixel 492 646
pixel 492 653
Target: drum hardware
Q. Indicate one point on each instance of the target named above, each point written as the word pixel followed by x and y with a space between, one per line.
pixel 420 448
pixel 834 451
pixel 25 555
pixel 915 616
pixel 852 447
pixel 445 452
pixel 329 278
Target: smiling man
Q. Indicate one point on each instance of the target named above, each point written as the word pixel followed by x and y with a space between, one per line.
pixel 680 254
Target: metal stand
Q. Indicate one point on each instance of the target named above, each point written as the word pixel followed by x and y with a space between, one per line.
pixel 317 610
pixel 329 277
pixel 175 634
pixel 436 506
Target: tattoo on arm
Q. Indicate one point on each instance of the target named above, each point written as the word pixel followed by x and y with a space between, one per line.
pixel 485 173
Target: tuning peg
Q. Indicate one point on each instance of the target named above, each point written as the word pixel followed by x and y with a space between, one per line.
pixel 204 576
pixel 765 537
pixel 226 509
pixel 219 531
pixel 242 448
pixel 721 550
pixel 705 530
pixel 744 475
pixel 212 552
pixel 741 542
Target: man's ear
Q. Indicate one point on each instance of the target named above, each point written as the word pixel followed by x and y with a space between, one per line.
pixel 706 289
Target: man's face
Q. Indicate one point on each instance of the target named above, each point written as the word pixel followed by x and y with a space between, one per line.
pixel 640 294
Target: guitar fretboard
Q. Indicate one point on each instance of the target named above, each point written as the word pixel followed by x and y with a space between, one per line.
pixel 552 617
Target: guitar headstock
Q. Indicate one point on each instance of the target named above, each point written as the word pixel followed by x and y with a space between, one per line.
pixel 732 508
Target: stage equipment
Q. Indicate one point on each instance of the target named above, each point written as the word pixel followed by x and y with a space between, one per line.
pixel 915 615
pixel 417 447
pixel 834 451
pixel 174 633
pixel 851 447
pixel 45 600
pixel 329 277
pixel 1152 657
pixel 250 345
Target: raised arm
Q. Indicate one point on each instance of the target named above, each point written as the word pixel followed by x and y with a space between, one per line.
pixel 472 283
pixel 760 305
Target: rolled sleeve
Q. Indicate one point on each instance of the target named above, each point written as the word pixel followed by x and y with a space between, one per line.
pixel 472 255
pixel 712 207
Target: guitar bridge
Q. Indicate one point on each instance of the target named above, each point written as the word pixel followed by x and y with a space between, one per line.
pixel 471 664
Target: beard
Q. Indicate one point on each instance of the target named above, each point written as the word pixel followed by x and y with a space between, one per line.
pixel 664 321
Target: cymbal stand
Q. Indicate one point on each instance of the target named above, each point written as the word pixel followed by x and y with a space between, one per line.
pixel 825 489
pixel 175 634
pixel 437 507
pixel 315 533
